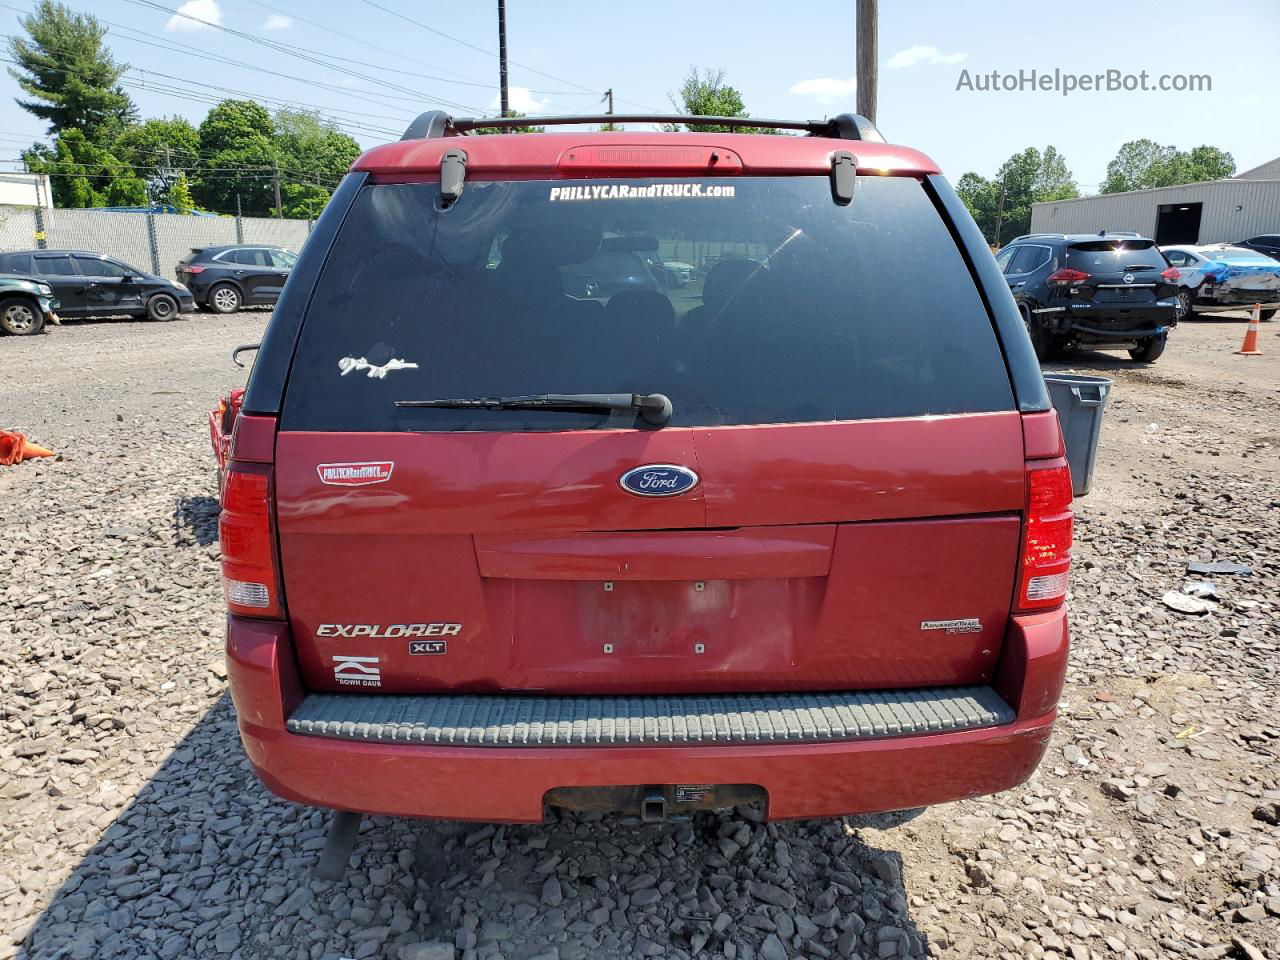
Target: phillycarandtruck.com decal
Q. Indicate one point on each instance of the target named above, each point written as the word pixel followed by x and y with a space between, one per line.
pixel 653 191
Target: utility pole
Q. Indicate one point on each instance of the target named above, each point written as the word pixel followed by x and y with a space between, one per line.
pixel 502 55
pixel 1000 210
pixel 867 51
pixel 609 94
pixel 275 180
pixel 168 170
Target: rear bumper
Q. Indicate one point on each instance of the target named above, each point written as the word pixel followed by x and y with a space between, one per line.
pixel 1106 322
pixel 509 784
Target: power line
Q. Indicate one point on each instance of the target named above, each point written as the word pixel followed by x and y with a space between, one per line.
pixel 205 98
pixel 346 36
pixel 200 97
pixel 487 53
pixel 298 52
pixel 191 51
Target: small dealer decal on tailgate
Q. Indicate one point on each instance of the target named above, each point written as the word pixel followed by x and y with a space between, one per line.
pixel 355 474
pixel 357 671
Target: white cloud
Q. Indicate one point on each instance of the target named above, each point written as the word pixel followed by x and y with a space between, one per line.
pixel 278 21
pixel 913 55
pixel 825 89
pixel 521 99
pixel 201 10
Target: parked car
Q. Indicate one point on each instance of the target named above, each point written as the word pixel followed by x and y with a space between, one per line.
pixel 621 263
pixel 90 284
pixel 489 547
pixel 1098 290
pixel 226 277
pixel 1223 276
pixel 679 273
pixel 1268 243
pixel 26 305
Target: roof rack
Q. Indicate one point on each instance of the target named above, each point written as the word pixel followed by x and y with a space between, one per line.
pixel 845 126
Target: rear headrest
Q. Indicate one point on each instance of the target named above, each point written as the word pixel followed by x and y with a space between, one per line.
pixel 726 278
pixel 642 307
pixel 557 244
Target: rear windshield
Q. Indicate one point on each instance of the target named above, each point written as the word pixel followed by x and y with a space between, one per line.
pixel 1115 256
pixel 795 310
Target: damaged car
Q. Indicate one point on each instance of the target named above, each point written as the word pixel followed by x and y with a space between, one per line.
pixel 1221 276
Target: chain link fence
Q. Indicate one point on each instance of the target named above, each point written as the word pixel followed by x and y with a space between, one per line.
pixel 151 242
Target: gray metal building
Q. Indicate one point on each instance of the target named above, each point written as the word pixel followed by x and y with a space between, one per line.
pixel 1220 210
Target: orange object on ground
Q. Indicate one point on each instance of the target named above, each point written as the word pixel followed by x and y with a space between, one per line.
pixel 14 448
pixel 1250 346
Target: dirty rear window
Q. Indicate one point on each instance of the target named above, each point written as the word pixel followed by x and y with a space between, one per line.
pixel 1098 256
pixel 795 309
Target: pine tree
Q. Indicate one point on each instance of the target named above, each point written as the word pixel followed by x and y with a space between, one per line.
pixel 69 74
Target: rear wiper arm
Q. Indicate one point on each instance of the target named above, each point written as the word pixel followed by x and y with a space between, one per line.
pixel 653 408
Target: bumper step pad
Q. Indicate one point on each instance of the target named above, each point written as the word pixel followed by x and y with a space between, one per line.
pixel 586 721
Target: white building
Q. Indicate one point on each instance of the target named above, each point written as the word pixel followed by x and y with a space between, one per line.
pixel 25 190
pixel 1212 212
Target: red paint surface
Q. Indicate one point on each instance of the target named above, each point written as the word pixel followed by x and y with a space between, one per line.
pixel 508 784
pixel 514 157
pixel 820 549
pixel 1042 436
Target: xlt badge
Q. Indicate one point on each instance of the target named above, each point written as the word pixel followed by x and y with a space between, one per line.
pixel 418 648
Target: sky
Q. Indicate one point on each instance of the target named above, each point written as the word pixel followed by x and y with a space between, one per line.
pixel 362 64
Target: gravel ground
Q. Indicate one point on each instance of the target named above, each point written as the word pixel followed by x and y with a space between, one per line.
pixel 131 825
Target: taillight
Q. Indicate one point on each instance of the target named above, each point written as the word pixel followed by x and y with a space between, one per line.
pixel 1066 277
pixel 249 576
pixel 191 269
pixel 1171 275
pixel 1046 537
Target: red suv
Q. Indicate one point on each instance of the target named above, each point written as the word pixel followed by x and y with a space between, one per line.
pixel 795 531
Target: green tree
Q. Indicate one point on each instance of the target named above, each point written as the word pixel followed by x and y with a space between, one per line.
pixel 311 147
pixel 238 159
pixel 1026 178
pixel 179 195
pixel 1142 164
pixel 314 155
pixel 69 74
pixel 1203 163
pixel 160 151
pixel 1131 168
pixel 704 93
pixel 523 128
pixel 84 174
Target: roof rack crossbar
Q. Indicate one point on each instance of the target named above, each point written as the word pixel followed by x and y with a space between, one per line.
pixel 846 126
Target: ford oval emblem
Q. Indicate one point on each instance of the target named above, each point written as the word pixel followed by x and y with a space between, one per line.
pixel 658 480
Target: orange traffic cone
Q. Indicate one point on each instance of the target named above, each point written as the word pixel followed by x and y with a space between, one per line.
pixel 1250 346
pixel 14 448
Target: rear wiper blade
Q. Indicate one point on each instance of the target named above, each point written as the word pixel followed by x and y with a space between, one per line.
pixel 653 408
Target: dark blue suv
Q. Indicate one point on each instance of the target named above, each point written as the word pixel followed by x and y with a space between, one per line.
pixel 1098 290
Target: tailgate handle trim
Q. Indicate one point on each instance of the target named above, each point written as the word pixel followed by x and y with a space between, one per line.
pixel 764 552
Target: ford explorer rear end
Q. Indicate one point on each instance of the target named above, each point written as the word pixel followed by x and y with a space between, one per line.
pixel 505 527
